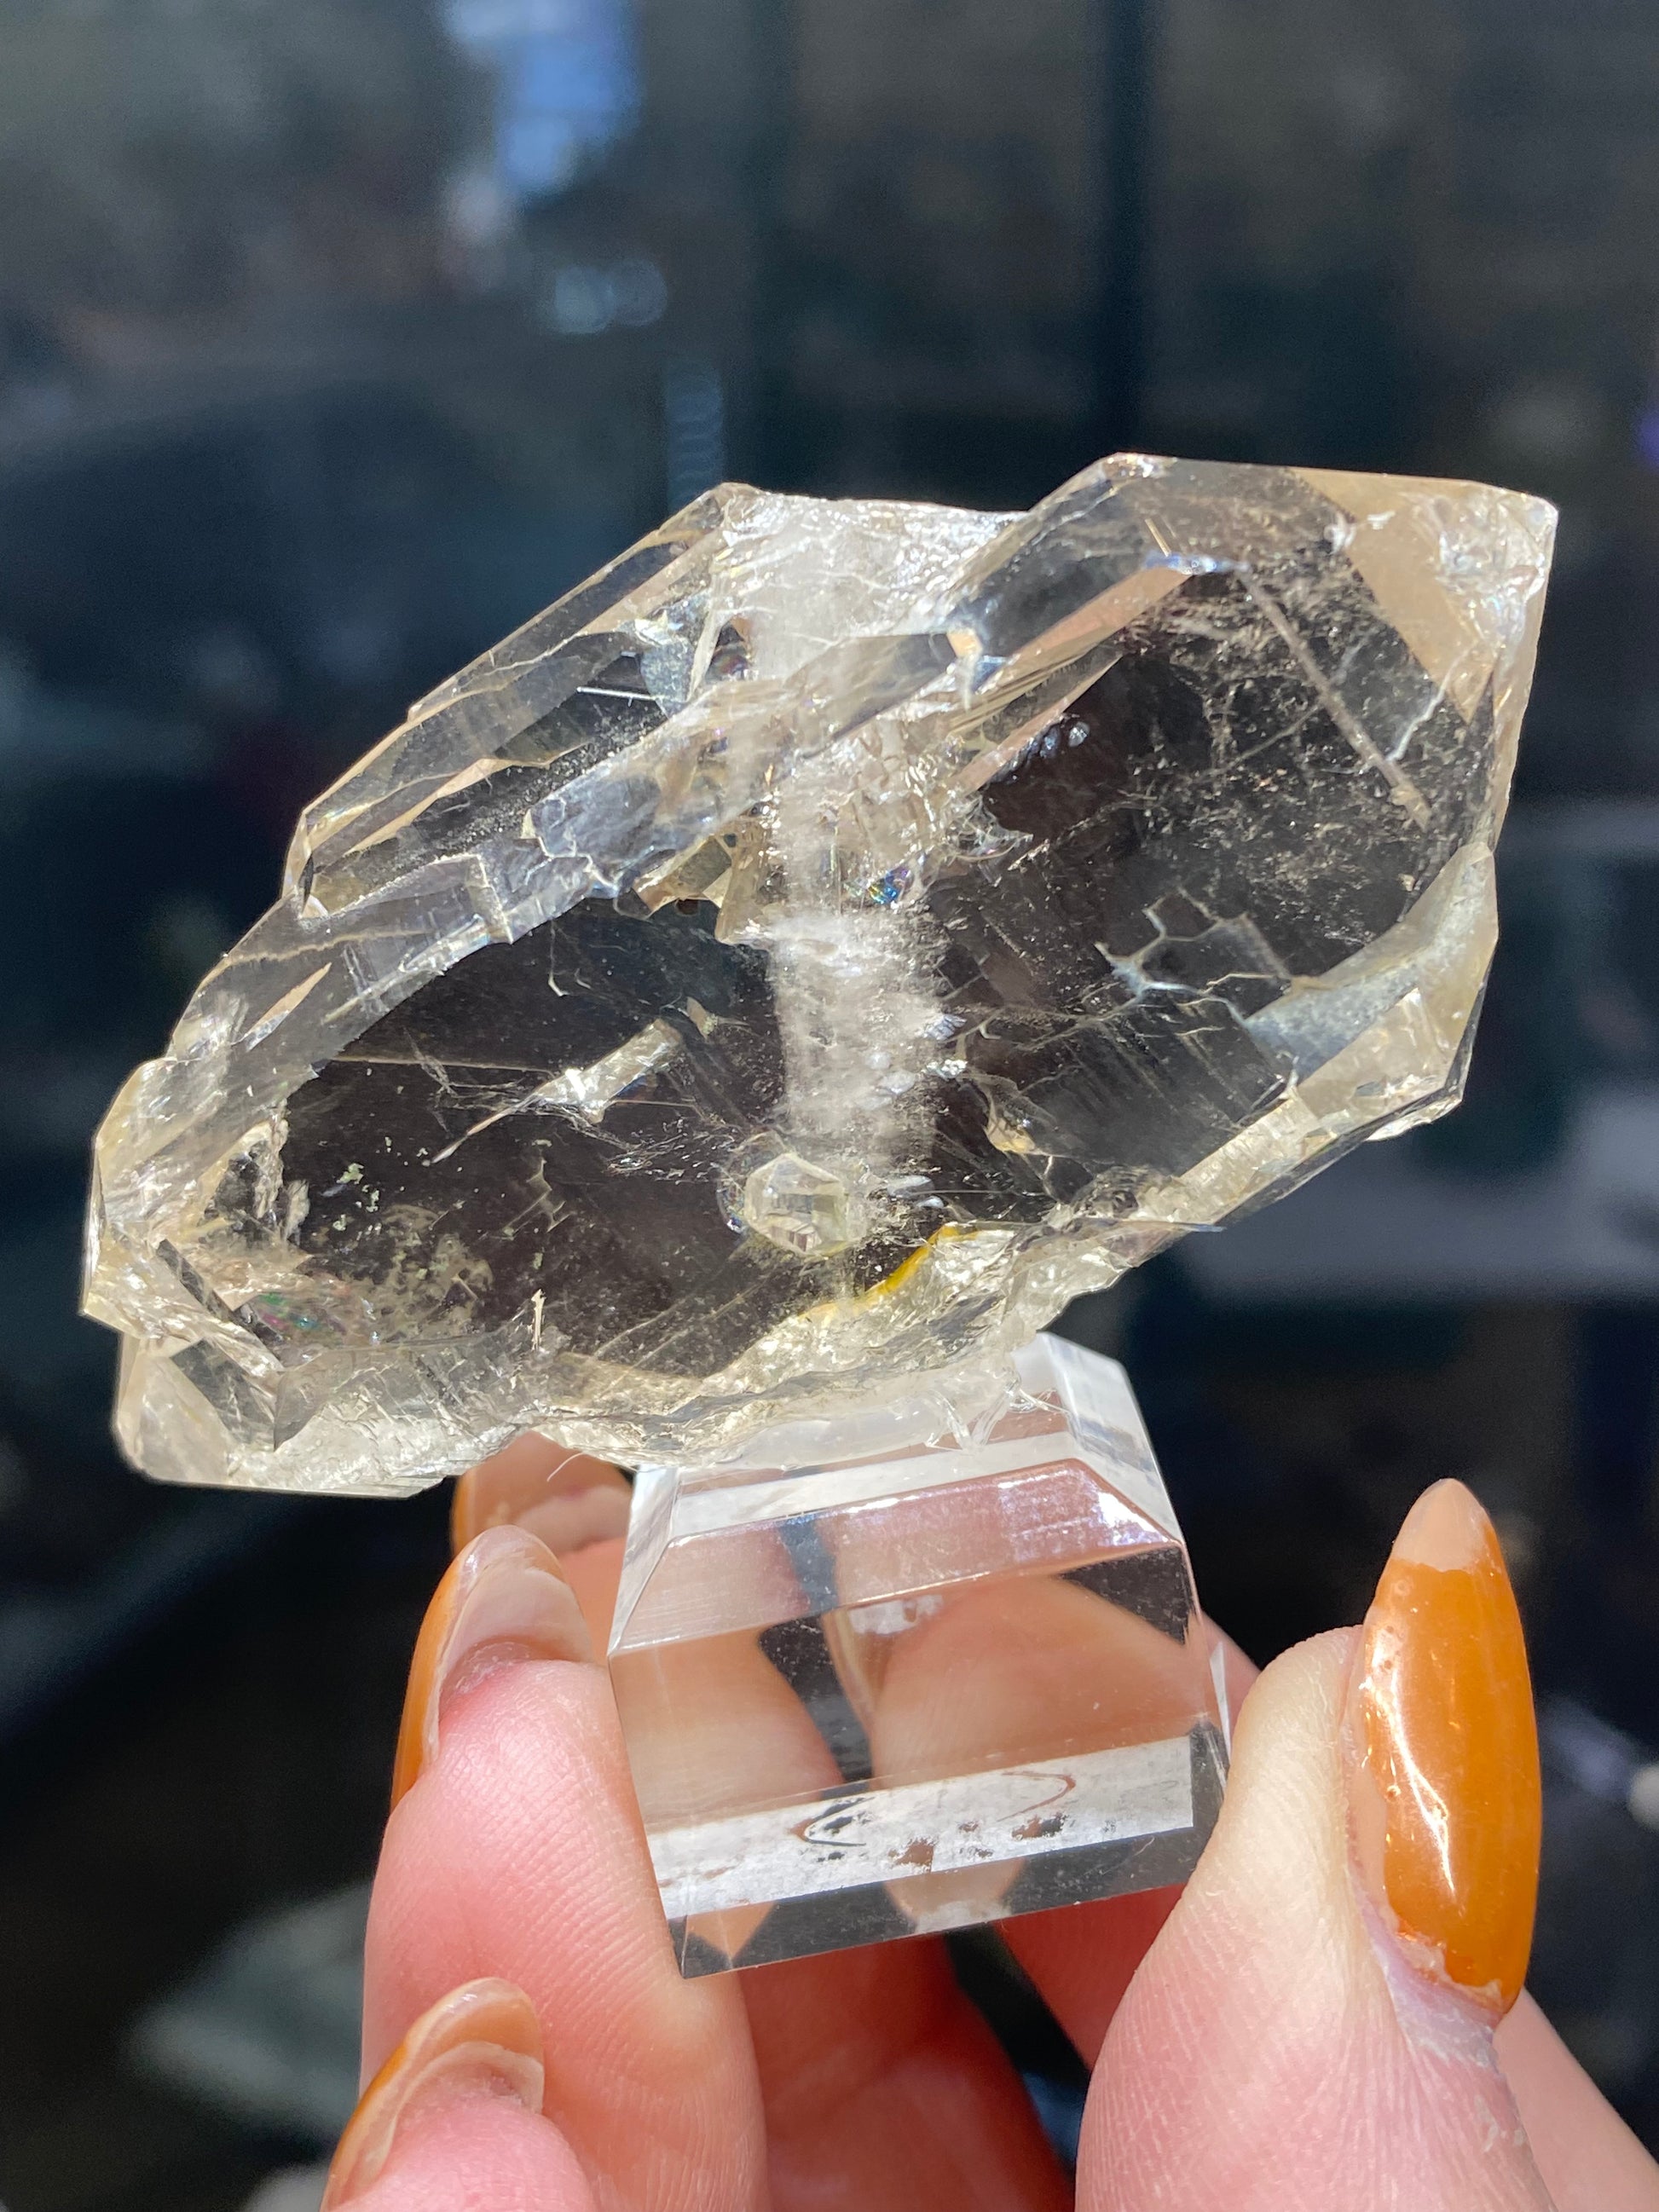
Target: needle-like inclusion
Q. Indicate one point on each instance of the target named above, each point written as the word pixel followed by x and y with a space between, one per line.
pixel 814 949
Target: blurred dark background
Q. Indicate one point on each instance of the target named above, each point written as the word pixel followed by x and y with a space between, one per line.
pixel 338 336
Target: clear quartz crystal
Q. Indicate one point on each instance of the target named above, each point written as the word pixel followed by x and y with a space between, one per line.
pixel 807 1209
pixel 809 953
pixel 916 1679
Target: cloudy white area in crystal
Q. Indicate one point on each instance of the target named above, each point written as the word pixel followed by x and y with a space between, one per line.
pixel 795 964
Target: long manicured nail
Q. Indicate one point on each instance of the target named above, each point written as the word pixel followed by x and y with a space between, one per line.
pixel 482 2040
pixel 565 1498
pixel 504 1597
pixel 1442 1749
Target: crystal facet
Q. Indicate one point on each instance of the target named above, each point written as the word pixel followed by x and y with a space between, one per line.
pixel 812 952
pixel 807 1210
pixel 907 1680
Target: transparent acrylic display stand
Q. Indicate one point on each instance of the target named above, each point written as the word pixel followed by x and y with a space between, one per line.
pixel 915 1683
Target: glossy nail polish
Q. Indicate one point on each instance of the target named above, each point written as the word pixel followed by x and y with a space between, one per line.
pixel 504 1597
pixel 482 2040
pixel 1442 1749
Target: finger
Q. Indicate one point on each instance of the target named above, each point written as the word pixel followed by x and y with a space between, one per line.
pixel 515 1851
pixel 454 2116
pixel 1589 2158
pixel 1267 2056
pixel 578 1506
pixel 1082 1959
pixel 565 1498
pixel 885 2089
pixel 1312 2027
pixel 478 2157
pixel 882 2086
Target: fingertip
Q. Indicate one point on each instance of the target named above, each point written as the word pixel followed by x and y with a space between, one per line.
pixel 486 2157
pixel 521 1854
pixel 1273 2054
pixel 480 2044
pixel 504 1597
pixel 566 1497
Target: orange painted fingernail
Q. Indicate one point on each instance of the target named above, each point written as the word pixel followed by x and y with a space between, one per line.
pixel 565 1498
pixel 482 2041
pixel 504 1597
pixel 1443 1752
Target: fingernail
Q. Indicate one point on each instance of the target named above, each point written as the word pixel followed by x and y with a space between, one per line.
pixel 565 1498
pixel 482 2041
pixel 1442 1749
pixel 503 1598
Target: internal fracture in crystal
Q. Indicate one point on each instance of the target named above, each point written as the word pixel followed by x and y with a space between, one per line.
pixel 809 953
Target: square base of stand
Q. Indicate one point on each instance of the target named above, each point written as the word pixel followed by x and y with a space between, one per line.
pixel 917 1682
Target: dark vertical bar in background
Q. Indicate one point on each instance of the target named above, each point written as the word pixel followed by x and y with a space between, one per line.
pixel 1618 1410
pixel 769 460
pixel 1121 333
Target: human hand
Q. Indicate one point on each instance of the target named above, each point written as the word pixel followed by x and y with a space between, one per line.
pixel 1262 2039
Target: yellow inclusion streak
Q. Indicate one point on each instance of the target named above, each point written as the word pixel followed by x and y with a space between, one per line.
pixel 911 1261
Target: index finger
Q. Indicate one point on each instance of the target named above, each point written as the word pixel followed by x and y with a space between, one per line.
pixel 516 1852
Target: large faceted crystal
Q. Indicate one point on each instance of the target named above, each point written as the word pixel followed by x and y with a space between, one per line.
pixel 788 969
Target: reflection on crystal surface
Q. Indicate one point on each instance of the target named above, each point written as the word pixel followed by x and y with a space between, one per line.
pixel 812 952
pixel 907 1687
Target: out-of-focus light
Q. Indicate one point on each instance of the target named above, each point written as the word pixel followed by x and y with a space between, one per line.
pixel 693 422
pixel 1647 437
pixel 1644 1795
pixel 579 301
pixel 640 294
pixel 566 82
pixel 1548 421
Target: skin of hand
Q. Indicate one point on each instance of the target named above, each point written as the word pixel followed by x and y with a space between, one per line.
pixel 1325 2019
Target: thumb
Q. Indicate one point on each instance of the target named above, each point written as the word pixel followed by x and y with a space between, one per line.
pixel 1312 2029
